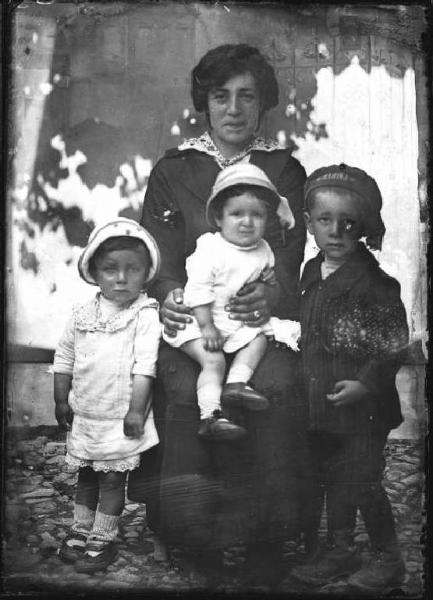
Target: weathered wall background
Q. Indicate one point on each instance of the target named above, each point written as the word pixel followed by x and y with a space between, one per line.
pixel 99 90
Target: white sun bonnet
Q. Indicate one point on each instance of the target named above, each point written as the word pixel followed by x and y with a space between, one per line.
pixel 119 227
pixel 248 174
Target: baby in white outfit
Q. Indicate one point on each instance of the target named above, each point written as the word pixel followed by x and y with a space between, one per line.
pixel 221 265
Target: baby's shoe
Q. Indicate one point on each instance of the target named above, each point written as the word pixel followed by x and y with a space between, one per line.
pixel 72 547
pixel 242 395
pixel 219 428
pixel 97 556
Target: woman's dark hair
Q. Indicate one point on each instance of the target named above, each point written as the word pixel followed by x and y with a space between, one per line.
pixel 121 242
pixel 242 188
pixel 223 62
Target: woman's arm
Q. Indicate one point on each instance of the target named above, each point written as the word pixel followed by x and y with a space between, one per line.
pixel 257 301
pixel 161 217
pixel 164 221
pixel 289 254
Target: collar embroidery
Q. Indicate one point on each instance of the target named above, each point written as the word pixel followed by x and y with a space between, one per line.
pixel 88 316
pixel 204 143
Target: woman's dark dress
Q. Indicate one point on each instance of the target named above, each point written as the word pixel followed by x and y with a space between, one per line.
pixel 214 494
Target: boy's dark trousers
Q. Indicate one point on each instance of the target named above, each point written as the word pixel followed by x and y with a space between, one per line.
pixel 349 468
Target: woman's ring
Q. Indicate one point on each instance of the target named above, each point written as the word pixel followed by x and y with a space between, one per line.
pixel 256 314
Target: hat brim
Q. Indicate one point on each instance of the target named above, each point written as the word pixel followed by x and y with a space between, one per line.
pixel 117 228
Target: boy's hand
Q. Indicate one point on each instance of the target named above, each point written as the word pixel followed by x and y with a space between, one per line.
pixel 133 424
pixel 64 416
pixel 212 338
pixel 347 392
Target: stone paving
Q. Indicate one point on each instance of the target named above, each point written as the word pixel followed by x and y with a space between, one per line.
pixel 38 512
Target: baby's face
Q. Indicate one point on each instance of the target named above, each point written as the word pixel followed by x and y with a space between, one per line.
pixel 243 220
pixel 121 274
pixel 335 222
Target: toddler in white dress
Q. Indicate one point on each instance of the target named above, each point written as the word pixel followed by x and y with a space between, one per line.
pixel 104 367
pixel 222 263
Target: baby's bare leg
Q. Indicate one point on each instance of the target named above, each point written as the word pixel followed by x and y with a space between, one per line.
pixel 247 359
pixel 210 380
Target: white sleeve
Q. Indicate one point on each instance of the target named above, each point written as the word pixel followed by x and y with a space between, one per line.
pixel 146 342
pixel 199 288
pixel 64 356
pixel 270 256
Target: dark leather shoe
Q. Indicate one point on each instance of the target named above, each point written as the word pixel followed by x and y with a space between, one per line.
pixel 219 428
pixel 243 396
pixel 72 547
pixel 97 556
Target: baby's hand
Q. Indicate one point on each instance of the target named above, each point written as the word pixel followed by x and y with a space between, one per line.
pixel 347 392
pixel 64 416
pixel 212 338
pixel 133 424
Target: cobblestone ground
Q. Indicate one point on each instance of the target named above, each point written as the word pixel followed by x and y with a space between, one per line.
pixel 38 509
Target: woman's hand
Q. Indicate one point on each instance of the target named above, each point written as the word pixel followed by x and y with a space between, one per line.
pixel 64 415
pixel 174 313
pixel 133 424
pixel 251 304
pixel 212 338
pixel 347 392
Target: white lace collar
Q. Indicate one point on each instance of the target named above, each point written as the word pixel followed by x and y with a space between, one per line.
pixel 88 316
pixel 205 144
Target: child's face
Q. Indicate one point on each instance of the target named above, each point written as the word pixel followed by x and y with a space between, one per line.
pixel 335 222
pixel 243 220
pixel 121 274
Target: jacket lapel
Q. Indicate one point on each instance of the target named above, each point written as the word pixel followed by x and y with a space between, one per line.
pixel 342 280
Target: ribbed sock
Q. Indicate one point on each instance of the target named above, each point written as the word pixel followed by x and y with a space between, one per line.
pixel 239 374
pixel 83 519
pixel 105 527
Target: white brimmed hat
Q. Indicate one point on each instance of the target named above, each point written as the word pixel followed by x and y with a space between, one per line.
pixel 248 174
pixel 116 228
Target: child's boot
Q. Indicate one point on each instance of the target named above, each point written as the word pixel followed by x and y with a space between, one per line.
pixel 340 560
pixel 385 572
pixel 100 550
pixel 219 428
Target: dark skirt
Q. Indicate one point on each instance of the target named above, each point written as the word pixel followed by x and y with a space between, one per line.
pixel 207 494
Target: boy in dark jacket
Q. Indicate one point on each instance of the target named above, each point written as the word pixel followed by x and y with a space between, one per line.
pixel 353 332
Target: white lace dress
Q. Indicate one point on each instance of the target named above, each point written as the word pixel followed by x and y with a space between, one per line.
pixel 102 349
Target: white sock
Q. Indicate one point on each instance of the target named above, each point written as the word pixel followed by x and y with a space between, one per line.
pixel 83 519
pixel 239 374
pixel 208 396
pixel 105 527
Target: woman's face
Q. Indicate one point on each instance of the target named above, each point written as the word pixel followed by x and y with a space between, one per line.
pixel 234 113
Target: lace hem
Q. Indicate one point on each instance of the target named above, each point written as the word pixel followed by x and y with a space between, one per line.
pixel 106 466
pixel 88 316
pixel 205 144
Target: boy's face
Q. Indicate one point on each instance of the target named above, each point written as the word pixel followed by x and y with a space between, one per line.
pixel 335 222
pixel 121 274
pixel 243 220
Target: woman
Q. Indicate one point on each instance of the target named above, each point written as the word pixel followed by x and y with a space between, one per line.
pixel 213 495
